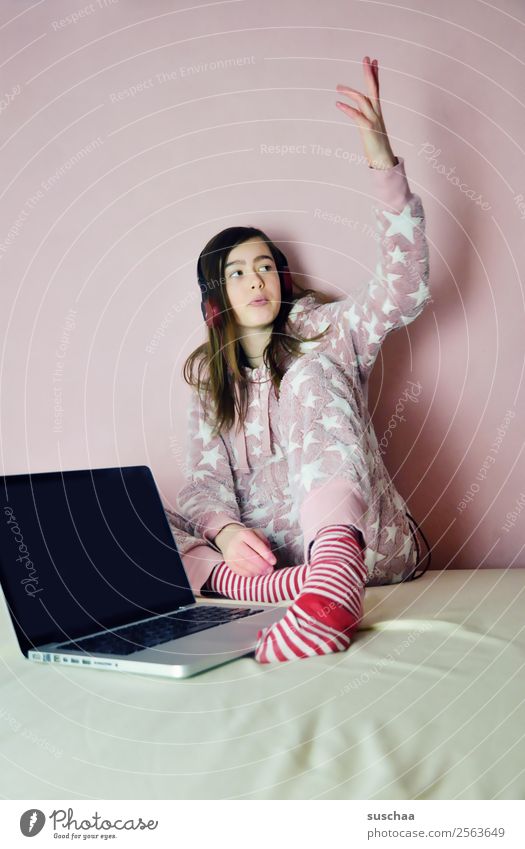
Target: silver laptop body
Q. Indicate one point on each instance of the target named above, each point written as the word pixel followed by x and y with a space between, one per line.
pixel 92 578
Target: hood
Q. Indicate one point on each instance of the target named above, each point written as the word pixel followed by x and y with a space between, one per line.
pixel 262 387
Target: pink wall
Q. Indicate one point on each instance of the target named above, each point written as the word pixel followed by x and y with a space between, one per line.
pixel 133 132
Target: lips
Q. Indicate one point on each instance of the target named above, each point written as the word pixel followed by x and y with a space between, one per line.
pixel 259 301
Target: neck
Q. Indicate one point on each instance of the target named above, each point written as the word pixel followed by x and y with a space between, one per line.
pixel 254 342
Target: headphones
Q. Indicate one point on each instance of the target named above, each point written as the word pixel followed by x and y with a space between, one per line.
pixel 211 307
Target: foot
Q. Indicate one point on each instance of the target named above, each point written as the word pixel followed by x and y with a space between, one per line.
pixel 325 616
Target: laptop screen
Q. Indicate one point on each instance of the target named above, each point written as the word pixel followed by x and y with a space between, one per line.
pixel 85 550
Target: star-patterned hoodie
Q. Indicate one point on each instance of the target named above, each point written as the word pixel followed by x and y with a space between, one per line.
pixel 242 476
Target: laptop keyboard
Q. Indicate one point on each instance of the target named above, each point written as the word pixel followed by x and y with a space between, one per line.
pixel 134 638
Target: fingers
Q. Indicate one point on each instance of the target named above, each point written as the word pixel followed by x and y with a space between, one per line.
pixel 354 113
pixel 367 110
pixel 372 77
pixel 251 560
pixel 259 543
pixel 370 106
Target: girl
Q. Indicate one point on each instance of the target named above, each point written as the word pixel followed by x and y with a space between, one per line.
pixel 302 470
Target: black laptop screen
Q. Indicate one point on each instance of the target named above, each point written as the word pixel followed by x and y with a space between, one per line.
pixel 83 550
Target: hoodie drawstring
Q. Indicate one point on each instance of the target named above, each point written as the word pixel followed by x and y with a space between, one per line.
pixel 240 436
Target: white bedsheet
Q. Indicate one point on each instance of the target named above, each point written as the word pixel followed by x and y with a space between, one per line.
pixel 428 703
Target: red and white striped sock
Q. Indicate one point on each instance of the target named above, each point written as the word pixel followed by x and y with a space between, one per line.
pixel 281 585
pixel 326 614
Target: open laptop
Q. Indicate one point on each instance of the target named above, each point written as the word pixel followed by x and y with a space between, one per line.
pixel 93 578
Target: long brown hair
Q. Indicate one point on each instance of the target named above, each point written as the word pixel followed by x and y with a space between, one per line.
pixel 219 359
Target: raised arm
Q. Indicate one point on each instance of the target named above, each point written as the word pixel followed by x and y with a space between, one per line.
pixel 398 290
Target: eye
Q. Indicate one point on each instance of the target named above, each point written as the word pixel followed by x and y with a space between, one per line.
pixel 239 270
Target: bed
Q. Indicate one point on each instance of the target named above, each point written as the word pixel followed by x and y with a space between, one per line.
pixel 428 703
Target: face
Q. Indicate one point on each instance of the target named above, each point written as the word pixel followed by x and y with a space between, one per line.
pixel 250 272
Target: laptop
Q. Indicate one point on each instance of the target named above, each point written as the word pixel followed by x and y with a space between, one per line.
pixel 93 578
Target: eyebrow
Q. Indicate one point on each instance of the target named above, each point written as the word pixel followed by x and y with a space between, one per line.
pixel 243 261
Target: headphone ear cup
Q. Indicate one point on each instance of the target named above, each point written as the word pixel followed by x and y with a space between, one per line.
pixel 211 314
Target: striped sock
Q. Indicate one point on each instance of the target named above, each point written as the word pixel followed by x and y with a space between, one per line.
pixel 281 585
pixel 330 607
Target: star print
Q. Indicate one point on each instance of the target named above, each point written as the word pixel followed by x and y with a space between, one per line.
pixel 309 440
pixel 391 531
pixel 340 404
pixel 353 318
pixel 295 310
pixel 269 528
pixel 373 285
pixel 254 429
pixel 421 293
pixel 297 380
pixel 372 337
pixel 407 544
pixel 308 346
pixel 329 422
pixel 200 474
pixel 397 255
pixel 326 363
pixel 311 399
pixel 391 277
pixel 225 494
pixel 280 538
pixel 212 457
pixel 398 501
pixel 257 450
pixel 205 431
pixel 310 472
pixel 388 306
pixel 310 321
pixel 375 525
pixel 259 513
pixel 379 270
pixel 372 557
pixel 292 446
pixel 402 222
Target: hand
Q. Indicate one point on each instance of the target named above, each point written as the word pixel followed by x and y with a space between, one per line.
pixel 369 118
pixel 245 550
